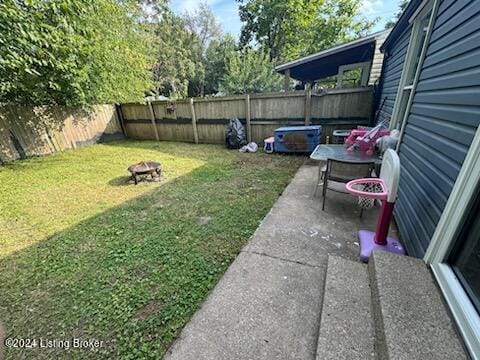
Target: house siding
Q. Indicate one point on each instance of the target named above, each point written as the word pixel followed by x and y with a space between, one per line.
pixel 444 116
pixel 377 62
pixel 392 71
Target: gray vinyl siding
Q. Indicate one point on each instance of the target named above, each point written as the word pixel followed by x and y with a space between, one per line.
pixel 377 62
pixel 392 71
pixel 444 116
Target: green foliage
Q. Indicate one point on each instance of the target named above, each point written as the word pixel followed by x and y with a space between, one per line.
pixel 352 78
pixel 177 56
pixel 250 71
pixel 184 46
pixel 72 52
pixel 330 82
pixel 294 28
pixel 401 7
pixel 125 264
pixel 219 53
pixel 264 22
pixel 203 24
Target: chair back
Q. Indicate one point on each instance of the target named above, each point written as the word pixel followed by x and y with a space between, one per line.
pixel 344 171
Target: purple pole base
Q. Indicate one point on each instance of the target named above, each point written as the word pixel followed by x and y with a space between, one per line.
pixel 367 245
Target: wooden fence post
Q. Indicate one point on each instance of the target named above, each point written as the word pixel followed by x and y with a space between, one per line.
pixel 308 105
pixel 194 121
pixel 152 118
pixel 121 120
pixel 247 118
pixel 286 80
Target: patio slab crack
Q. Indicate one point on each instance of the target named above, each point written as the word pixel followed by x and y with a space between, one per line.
pixel 282 259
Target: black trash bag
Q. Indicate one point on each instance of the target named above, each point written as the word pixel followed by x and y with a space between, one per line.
pixel 235 134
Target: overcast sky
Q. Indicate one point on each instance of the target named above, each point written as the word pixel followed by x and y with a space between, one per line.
pixel 227 11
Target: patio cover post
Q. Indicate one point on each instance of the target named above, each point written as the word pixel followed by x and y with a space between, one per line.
pixel 152 118
pixel 194 121
pixel 308 103
pixel 247 118
pixel 286 80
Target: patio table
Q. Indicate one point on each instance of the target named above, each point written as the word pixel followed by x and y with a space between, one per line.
pixel 323 152
pixel 338 152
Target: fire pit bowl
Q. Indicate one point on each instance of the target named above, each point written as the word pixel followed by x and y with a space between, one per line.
pixel 144 168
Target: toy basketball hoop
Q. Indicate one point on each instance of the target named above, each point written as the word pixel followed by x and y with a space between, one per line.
pixel 385 190
pixel 368 190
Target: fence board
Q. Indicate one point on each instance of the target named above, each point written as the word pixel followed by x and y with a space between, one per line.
pixel 31 131
pixel 335 109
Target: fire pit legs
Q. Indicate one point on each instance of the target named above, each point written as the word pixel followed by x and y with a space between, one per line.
pixel 145 168
pixel 135 178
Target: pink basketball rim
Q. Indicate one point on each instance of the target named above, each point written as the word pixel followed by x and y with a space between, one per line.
pixel 382 195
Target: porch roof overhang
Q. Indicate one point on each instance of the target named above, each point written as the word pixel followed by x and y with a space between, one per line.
pixel 326 63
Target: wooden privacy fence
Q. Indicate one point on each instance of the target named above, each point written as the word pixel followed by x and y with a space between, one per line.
pixel 203 120
pixel 28 131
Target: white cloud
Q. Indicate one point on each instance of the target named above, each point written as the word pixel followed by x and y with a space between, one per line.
pixel 371 7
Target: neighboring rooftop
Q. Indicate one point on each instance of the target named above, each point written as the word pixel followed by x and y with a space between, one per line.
pixel 327 62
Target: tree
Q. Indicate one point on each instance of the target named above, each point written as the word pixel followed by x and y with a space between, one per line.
pixel 264 22
pixel 250 71
pixel 72 52
pixel 401 7
pixel 175 52
pixel 153 10
pixel 294 28
pixel 218 54
pixel 202 24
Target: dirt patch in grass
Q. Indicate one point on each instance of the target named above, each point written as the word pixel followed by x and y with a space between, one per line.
pixel 203 220
pixel 147 310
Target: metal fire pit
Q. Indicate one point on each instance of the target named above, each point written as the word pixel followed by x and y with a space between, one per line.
pixel 144 168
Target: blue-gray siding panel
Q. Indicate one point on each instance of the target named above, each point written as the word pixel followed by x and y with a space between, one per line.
pixel 462 115
pixel 392 70
pixel 442 122
pixel 454 19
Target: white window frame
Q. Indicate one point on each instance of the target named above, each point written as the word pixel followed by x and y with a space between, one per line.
pixel 365 66
pixel 405 91
pixel 463 311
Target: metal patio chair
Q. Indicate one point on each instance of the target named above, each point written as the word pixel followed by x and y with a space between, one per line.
pixel 343 172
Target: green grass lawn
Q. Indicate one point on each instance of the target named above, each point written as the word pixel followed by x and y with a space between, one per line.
pixel 84 254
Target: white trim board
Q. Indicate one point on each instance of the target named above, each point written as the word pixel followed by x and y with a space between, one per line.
pixel 458 204
pixel 463 311
pixel 364 66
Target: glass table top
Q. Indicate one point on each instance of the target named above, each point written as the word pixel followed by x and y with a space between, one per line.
pixel 339 152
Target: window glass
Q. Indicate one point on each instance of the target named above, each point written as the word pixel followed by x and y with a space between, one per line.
pixel 465 260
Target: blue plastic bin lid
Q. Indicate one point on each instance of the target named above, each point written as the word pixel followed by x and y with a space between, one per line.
pixel 299 128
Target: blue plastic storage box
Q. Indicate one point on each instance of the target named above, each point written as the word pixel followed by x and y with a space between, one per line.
pixel 301 139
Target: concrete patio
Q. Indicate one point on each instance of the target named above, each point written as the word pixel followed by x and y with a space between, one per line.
pixel 268 305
